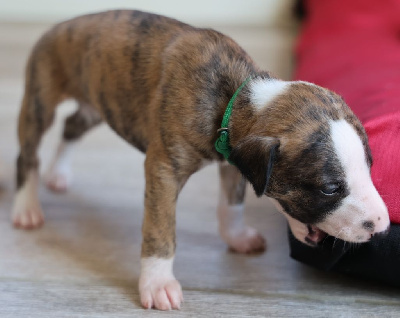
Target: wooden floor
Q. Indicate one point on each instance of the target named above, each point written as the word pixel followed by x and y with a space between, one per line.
pixel 85 261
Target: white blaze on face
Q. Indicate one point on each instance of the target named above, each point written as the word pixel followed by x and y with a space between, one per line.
pixel 363 204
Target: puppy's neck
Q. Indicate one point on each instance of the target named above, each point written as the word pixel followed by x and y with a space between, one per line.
pixel 248 104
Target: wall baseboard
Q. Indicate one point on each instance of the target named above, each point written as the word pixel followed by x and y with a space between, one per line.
pixel 205 12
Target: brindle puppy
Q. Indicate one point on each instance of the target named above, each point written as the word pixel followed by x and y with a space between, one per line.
pixel 164 86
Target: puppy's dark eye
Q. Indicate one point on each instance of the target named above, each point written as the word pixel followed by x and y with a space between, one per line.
pixel 331 189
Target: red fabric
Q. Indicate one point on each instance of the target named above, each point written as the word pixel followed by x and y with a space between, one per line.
pixel 353 48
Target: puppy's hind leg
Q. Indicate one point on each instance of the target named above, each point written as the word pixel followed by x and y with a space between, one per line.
pixel 58 176
pixel 42 94
pixel 240 237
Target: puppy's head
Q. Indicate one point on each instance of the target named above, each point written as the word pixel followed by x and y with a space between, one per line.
pixel 310 153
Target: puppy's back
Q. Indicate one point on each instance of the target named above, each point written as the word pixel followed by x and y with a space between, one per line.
pixel 113 43
pixel 129 65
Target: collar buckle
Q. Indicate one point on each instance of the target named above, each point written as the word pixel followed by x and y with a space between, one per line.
pixel 220 130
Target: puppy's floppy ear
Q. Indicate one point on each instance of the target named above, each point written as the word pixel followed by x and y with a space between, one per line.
pixel 254 157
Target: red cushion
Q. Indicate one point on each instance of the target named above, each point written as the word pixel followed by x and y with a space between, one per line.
pixel 353 48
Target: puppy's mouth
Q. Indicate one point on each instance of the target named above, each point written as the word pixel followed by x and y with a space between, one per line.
pixel 315 235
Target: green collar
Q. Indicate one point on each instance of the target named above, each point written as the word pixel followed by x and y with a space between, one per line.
pixel 222 143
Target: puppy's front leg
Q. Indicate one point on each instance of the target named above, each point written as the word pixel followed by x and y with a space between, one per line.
pixel 232 227
pixel 157 284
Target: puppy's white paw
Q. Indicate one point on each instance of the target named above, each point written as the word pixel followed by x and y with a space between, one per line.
pixel 157 285
pixel 234 231
pixel 58 177
pixel 27 212
pixel 58 180
pixel 28 218
pixel 247 240
pixel 162 294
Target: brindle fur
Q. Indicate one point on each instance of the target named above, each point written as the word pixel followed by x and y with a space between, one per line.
pixel 163 86
pixel 82 120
